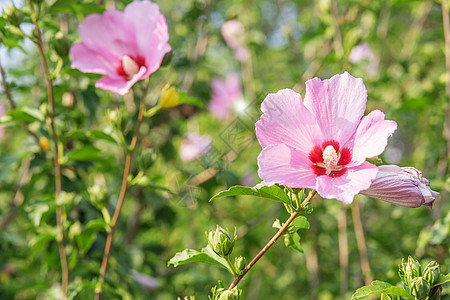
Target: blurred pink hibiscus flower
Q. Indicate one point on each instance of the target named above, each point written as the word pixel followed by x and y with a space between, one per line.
pixel 194 145
pixel 124 46
pixel 224 95
pixel 322 143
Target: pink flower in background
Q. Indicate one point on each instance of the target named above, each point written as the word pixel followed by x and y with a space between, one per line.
pixel 361 52
pixel 224 95
pixel 233 34
pixel 401 186
pixel 322 143
pixel 124 46
pixel 194 146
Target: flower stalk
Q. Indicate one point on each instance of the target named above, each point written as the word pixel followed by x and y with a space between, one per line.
pixel 270 243
pixel 123 190
pixel 56 148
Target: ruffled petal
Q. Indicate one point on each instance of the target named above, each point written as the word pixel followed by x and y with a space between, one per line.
pixel 89 61
pixel 345 187
pixel 285 120
pixel 118 84
pixel 283 165
pixel 151 32
pixel 371 136
pixel 109 35
pixel 338 104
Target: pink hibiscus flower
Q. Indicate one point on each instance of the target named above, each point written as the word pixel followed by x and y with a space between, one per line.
pixel 125 46
pixel 322 143
pixel 193 146
pixel 224 95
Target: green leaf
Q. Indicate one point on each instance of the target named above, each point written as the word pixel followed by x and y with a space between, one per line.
pixel 385 297
pixel 25 114
pixel 190 100
pixel 75 7
pixel 207 256
pixel 88 153
pixel 380 287
pixel 292 240
pixel 300 223
pixel 260 190
pixel 442 279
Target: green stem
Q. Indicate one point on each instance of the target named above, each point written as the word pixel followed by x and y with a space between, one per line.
pixel 230 266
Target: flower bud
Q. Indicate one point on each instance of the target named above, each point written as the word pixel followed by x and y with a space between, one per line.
pixel 118 118
pixel 431 272
pixel 409 270
pixel 145 159
pixel 240 263
pixel 61 45
pixel 419 288
pixel 221 241
pixel 169 97
pixel 234 294
pixel 401 186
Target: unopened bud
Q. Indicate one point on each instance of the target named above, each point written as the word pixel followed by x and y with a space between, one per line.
pixel 431 272
pixel 240 263
pixel 419 288
pixel 221 242
pixel 234 294
pixel 145 159
pixel 169 97
pixel 61 45
pixel 118 118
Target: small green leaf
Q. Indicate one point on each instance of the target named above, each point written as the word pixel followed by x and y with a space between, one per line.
pixel 442 279
pixel 207 256
pixel 88 153
pixel 25 114
pixel 260 190
pixel 300 223
pixel 380 287
pixel 292 240
pixel 190 100
pixel 98 134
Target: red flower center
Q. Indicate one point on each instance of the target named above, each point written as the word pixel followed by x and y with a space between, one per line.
pixel 329 159
pixel 130 65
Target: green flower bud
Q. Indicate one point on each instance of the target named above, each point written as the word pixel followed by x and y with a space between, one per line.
pixel 419 287
pixel 234 294
pixel 431 272
pixel 409 270
pixel 118 118
pixel 61 45
pixel 435 293
pixel 221 241
pixel 145 159
pixel 240 263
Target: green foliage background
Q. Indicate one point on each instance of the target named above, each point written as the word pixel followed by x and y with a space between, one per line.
pixel 167 208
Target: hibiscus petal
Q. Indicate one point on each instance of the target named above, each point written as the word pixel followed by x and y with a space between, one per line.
pixel 118 84
pixel 89 61
pixel 345 187
pixel 285 120
pixel 108 34
pixel 371 136
pixel 338 104
pixel 283 165
pixel 151 32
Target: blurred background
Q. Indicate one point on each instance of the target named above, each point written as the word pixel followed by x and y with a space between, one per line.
pixel 191 152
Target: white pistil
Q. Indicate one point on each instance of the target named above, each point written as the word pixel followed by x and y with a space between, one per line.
pixel 330 159
pixel 129 66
